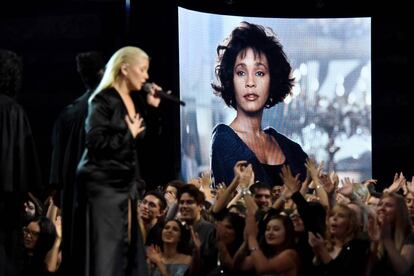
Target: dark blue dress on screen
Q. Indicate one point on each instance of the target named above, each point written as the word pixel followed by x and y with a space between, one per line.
pixel 227 149
pixel 109 175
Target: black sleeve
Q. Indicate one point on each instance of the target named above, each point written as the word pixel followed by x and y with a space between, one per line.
pixel 101 134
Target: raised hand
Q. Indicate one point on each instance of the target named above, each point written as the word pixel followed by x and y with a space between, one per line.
pixel 135 124
pixel 410 186
pixel 246 177
pixel 327 184
pixel 315 241
pixel 170 198
pixel 398 183
pixel 347 186
pixel 196 239
pixel 313 170
pixel 292 184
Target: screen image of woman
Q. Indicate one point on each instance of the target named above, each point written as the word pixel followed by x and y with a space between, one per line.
pixel 253 73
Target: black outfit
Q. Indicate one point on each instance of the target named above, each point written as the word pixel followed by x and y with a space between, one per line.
pixel 352 260
pixel 109 174
pixel 68 140
pixel 19 174
pixel 227 149
pixel 208 251
pixel 383 266
pixel 313 216
pixel 19 164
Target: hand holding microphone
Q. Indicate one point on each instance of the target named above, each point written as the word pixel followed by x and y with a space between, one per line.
pixel 152 89
pixel 155 92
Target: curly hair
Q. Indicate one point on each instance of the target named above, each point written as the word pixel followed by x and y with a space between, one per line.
pixel 261 41
pixel 10 73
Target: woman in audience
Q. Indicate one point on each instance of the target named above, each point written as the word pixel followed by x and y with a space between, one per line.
pixel 275 253
pixel 38 238
pixel 393 244
pixel 342 253
pixel 229 238
pixel 174 258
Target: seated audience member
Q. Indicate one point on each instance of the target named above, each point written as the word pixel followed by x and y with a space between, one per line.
pixel 190 205
pixel 275 254
pixel 173 257
pixel 151 211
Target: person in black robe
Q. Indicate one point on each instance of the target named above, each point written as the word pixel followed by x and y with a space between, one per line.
pixel 109 171
pixel 68 141
pixel 19 166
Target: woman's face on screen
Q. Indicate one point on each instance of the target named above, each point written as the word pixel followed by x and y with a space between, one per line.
pixel 251 80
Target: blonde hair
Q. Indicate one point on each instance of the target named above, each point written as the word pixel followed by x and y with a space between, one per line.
pixel 353 227
pixel 124 55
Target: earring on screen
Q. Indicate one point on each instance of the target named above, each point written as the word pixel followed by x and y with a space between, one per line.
pixel 269 102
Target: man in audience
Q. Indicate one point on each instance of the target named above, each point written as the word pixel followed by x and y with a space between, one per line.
pixel 262 194
pixel 151 211
pixel 190 204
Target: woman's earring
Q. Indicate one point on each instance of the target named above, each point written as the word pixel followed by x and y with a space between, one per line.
pixel 231 102
pixel 269 102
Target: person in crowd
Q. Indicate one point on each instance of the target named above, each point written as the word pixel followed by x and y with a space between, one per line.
pixel 190 204
pixel 19 165
pixel 151 211
pixel 393 243
pixel 109 172
pixel 262 194
pixel 173 257
pixel 229 239
pixel 409 198
pixel 253 73
pixel 32 206
pixel 342 252
pixel 68 144
pixel 306 217
pixel 275 254
pixel 39 237
pixel 170 195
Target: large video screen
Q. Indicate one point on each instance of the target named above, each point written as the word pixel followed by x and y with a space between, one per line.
pixel 328 112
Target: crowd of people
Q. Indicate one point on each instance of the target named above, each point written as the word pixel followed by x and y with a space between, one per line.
pixel 322 226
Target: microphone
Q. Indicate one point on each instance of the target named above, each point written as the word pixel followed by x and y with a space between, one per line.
pixel 162 94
